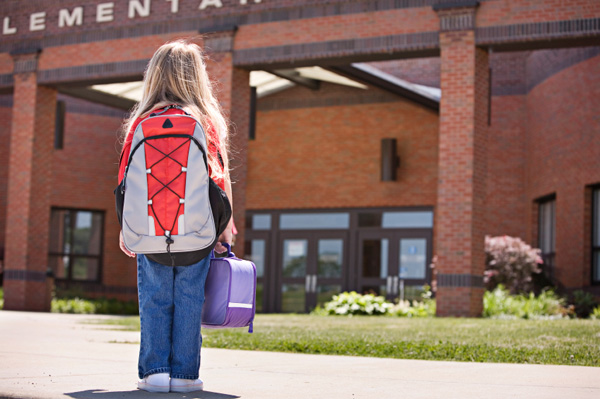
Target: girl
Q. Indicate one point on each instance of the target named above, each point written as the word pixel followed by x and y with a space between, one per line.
pixel 171 298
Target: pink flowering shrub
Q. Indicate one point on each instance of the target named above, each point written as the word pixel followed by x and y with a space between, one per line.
pixel 512 263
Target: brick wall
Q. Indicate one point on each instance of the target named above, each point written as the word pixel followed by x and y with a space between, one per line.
pixel 138 48
pixel 491 12
pixel 509 73
pixel 85 175
pixel 541 142
pixel 368 24
pixel 288 22
pixel 506 163
pixel 460 217
pixel 6 63
pixel 423 71
pixel 506 160
pixel 232 88
pixel 543 64
pixel 564 157
pixel 506 12
pixel 329 156
pixel 4 153
pixel 27 215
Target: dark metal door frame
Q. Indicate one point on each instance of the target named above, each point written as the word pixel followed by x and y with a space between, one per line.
pixel 393 236
pixel 311 279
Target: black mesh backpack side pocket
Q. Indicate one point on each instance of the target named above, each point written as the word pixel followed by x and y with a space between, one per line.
pixel 119 200
pixel 221 207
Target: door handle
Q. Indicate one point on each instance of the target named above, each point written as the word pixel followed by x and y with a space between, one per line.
pixel 388 286
pixel 314 283
pixel 395 285
pixel 307 284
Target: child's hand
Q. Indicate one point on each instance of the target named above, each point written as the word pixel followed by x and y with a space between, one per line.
pixel 225 237
pixel 123 247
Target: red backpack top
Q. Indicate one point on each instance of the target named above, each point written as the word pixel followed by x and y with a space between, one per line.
pixel 211 135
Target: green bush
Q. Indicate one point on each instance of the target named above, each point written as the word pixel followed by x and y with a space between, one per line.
pixel 500 304
pixel 595 313
pixel 425 308
pixel 113 306
pixel 414 309
pixel 584 303
pixel 74 305
pixel 352 303
pixel 94 306
pixel 88 306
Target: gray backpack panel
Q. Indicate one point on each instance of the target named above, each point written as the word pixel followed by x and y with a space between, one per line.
pixel 197 228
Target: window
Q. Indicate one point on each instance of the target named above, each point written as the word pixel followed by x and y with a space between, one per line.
pixel 546 233
pixel 256 251
pixel 396 220
pixel 259 222
pixel 596 235
pixel 314 221
pixel 59 125
pixel 390 162
pixel 407 220
pixel 76 244
pixel 253 100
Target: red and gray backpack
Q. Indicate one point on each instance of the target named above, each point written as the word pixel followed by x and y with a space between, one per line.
pixel 168 206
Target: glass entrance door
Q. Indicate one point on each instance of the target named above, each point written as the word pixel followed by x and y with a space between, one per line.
pixel 294 275
pixel 312 269
pixel 329 273
pixel 412 269
pixel 257 251
pixel 394 264
pixel 374 264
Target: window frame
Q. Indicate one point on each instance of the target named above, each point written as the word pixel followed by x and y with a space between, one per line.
pixel 59 125
pixel 548 257
pixel 595 225
pixel 71 256
pixel 352 238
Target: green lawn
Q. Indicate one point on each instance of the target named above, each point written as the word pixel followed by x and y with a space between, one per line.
pixel 570 342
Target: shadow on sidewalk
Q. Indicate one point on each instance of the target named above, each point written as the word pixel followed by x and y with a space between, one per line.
pixel 139 394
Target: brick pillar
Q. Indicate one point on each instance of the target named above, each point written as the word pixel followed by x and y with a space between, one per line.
pixel 233 91
pixel 460 212
pixel 29 179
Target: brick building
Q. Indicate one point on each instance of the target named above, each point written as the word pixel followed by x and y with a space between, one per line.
pixel 351 171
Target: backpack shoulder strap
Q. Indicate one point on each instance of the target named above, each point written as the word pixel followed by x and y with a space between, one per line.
pixel 168 107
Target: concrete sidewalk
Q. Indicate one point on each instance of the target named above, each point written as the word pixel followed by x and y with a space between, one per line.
pixel 59 356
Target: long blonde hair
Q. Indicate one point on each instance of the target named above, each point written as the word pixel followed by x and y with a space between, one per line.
pixel 176 74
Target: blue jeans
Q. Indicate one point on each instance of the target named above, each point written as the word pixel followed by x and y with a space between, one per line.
pixel 171 300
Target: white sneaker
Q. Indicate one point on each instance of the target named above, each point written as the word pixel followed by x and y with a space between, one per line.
pixel 181 385
pixel 155 383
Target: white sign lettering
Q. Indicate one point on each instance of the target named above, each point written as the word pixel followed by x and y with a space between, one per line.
pixel 37 21
pixel 66 19
pixel 214 3
pixel 136 7
pixel 104 12
pixel 6 28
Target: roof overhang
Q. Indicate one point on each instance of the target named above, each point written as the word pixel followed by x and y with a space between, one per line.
pixel 358 75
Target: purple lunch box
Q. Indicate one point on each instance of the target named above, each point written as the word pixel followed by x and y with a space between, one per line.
pixel 230 293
